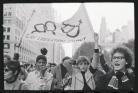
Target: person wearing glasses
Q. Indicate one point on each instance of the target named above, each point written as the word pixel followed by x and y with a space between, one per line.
pixel 39 79
pixel 119 78
pixel 12 70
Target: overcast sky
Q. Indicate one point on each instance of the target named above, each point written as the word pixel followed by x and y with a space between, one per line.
pixel 116 14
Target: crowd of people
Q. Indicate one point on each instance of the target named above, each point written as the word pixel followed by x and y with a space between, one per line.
pixel 72 74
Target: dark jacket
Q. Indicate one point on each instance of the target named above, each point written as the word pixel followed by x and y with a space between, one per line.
pixel 105 79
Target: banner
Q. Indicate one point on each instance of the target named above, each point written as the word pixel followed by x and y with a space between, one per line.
pixel 76 29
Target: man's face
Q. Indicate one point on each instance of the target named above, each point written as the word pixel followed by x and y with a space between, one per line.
pixel 41 64
pixel 118 61
pixel 8 74
pixel 83 66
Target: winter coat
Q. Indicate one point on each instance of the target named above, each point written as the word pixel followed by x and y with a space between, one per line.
pixel 78 82
pixel 57 75
pixel 105 82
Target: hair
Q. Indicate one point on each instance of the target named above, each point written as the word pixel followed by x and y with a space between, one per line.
pixel 65 58
pixel 126 52
pixel 16 56
pixel 14 65
pixel 82 59
pixel 8 57
pixel 41 57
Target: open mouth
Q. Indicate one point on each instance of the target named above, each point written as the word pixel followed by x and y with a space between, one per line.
pixel 117 64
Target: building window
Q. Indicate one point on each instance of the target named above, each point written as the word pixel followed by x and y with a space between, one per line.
pixel 6 46
pixel 3 37
pixel 8 29
pixel 4 29
pixel 8 37
pixel 9 14
pixel 9 21
pixel 5 14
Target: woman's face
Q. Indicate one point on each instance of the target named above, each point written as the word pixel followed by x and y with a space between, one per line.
pixel 8 74
pixel 118 61
pixel 41 64
pixel 83 66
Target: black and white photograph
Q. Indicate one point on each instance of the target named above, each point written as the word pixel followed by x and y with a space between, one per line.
pixel 85 46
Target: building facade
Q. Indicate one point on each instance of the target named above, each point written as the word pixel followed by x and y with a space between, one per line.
pixel 14 24
pixel 124 34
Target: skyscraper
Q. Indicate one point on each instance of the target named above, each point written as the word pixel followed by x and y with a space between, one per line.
pixel 104 32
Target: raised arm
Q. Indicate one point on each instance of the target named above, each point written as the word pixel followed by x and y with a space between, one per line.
pixel 95 60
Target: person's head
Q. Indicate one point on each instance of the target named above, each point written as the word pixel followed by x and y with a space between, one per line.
pixel 11 71
pixel 83 63
pixel 66 59
pixel 52 65
pixel 6 58
pixel 121 58
pixel 73 62
pixel 41 62
pixel 16 56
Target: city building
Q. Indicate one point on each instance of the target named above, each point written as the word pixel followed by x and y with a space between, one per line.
pixel 104 32
pixel 15 21
pixel 124 34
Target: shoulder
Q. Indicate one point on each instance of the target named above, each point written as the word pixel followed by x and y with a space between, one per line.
pixel 24 86
pixel 75 71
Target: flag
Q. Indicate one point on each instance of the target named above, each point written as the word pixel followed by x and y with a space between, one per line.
pixel 76 29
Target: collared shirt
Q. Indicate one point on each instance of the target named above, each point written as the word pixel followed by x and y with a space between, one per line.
pixel 34 80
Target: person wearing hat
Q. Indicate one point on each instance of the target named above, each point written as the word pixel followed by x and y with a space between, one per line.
pixel 39 79
pixel 11 76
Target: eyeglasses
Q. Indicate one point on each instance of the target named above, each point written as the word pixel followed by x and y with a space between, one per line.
pixel 118 57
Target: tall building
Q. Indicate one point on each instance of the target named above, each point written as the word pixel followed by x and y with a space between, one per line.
pixel 14 24
pixel 126 33
pixel 104 32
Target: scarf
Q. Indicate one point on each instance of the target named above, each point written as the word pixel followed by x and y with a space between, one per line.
pixel 117 79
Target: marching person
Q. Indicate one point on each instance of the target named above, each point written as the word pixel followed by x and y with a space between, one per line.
pixel 83 79
pixel 40 79
pixel 119 77
pixel 83 76
pixel 23 73
pixel 11 76
pixel 60 72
